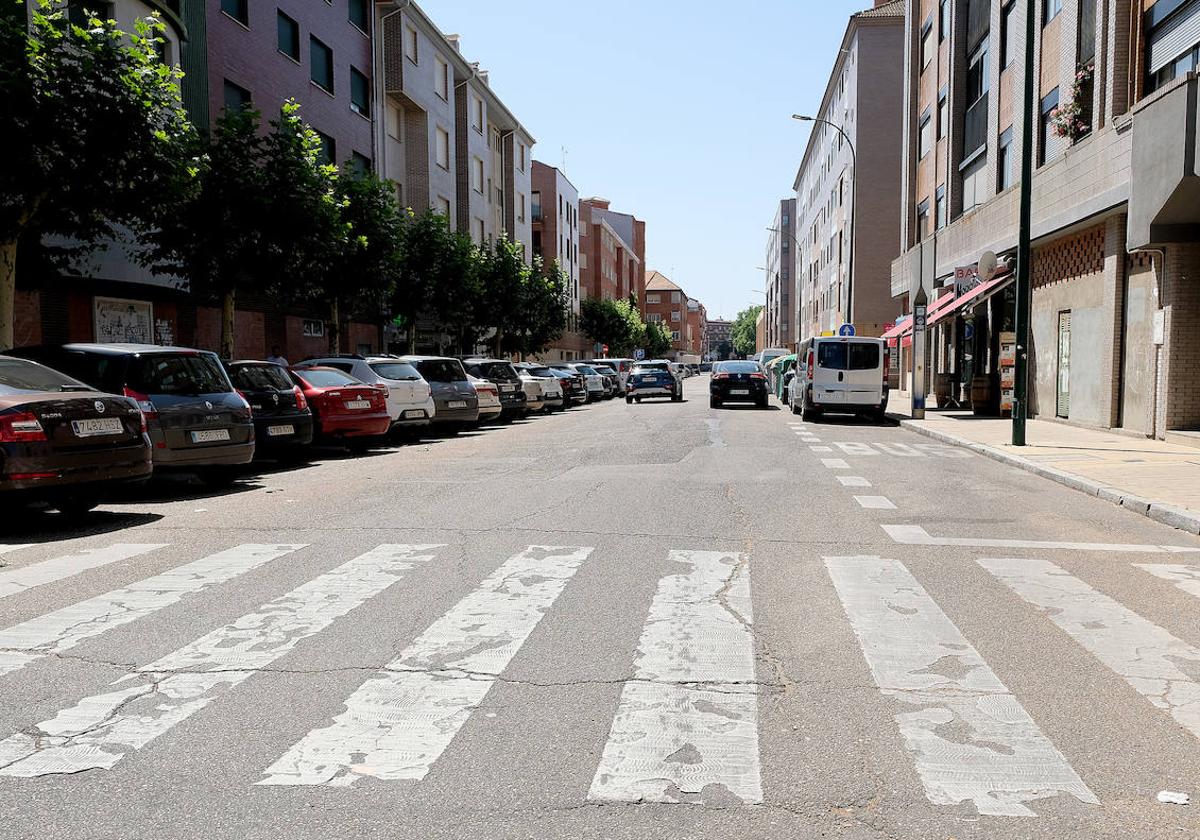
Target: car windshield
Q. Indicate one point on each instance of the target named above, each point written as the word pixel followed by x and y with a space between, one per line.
pixel 325 378
pixel 442 370
pixel 260 378
pixel 17 376
pixel 400 371
pixel 584 369
pixel 496 371
pixel 539 371
pixel 606 371
pixel 643 369
pixel 178 374
pixel 739 367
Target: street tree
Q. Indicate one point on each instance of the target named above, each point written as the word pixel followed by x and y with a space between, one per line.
pixel 658 340
pixel 544 304
pixel 613 322
pixel 503 276
pixel 743 333
pixel 96 138
pixel 450 270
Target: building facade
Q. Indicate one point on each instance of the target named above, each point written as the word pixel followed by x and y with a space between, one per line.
pixel 697 328
pixel 554 205
pixel 612 252
pixel 719 337
pixel 1116 211
pixel 781 276
pixel 667 303
pixel 847 221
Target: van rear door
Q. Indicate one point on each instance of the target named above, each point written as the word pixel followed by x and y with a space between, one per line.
pixel 847 371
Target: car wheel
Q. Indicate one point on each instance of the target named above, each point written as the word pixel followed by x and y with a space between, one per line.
pixel 792 404
pixel 629 401
pixel 77 507
pixel 762 403
pixel 713 402
pixel 637 399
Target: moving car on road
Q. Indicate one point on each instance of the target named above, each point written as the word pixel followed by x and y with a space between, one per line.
pixel 63 442
pixel 283 422
pixel 508 385
pixel 345 410
pixel 845 374
pixel 653 379
pixel 196 420
pixel 409 397
pixel 455 398
pixel 737 382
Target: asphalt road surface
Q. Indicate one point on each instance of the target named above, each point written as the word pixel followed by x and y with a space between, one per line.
pixel 646 621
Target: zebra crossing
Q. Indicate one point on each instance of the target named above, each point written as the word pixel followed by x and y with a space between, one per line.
pixel 685 721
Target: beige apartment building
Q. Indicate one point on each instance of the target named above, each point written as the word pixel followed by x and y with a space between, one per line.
pixel 555 218
pixel 1115 327
pixel 781 276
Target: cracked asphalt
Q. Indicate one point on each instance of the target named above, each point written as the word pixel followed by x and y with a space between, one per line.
pixel 842 747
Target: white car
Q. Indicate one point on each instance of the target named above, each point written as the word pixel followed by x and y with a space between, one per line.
pixel 551 385
pixel 489 398
pixel 409 400
pixel 597 386
pixel 535 394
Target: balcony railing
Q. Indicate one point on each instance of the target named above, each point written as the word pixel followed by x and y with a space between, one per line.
pixel 975 126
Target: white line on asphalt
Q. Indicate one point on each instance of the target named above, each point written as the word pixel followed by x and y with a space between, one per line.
pixel 687 725
pixel 1186 578
pixel 820 448
pixel 875 502
pixel 855 448
pixel 971 740
pixel 61 630
pixel 5 549
pixel 397 724
pixel 714 433
pixel 853 481
pixel 101 730
pixel 26 577
pixel 916 535
pixel 835 463
pixel 1148 657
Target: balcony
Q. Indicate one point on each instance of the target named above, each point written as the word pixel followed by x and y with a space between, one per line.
pixel 975 127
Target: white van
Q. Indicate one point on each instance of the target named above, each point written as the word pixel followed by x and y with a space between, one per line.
pixel 843 374
pixel 764 357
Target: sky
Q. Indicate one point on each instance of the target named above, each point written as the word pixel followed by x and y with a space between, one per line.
pixel 678 112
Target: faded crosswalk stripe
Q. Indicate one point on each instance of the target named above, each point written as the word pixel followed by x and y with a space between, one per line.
pixel 61 630
pixel 1183 576
pixel 26 577
pixel 397 724
pixel 1148 657
pixel 101 730
pixel 971 740
pixel 686 729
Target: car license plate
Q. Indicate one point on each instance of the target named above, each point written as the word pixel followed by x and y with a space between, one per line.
pixel 97 426
pixel 414 414
pixel 507 388
pixel 275 431
pixel 740 392
pixel 832 396
pixel 456 404
pixel 355 405
pixel 210 435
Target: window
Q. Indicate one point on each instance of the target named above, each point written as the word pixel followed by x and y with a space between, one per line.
pixel 1171 43
pixel 674 297
pixel 653 297
pixel 943 122
pixel 477 114
pixel 313 328
pixel 926 137
pixel 976 95
pixel 675 335
pixel 1046 135
pixel 328 148
pixel 521 159
pixel 477 175
pixel 321 57
pixel 1085 33
pixel 939 208
pixel 927 43
pixel 441 79
pixel 1050 10
pixel 1004 161
pixel 443 148
pixel 358 14
pixel 360 93
pixel 236 97
pixel 410 44
pixel 239 10
pixel 393 122
pixel 675 316
pixel 78 11
pixel 360 163
pixel 288 37
pixel 786 221
pixel 1008 17
pixel 443 206
pixel 922 219
pixel 943 20
pixel 535 200
pixel 479 231
pixel 520 207
pixel 974 188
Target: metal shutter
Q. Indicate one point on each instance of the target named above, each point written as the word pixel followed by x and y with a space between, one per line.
pixel 1174 37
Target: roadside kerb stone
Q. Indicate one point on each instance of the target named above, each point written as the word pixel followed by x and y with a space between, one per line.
pixel 1166 514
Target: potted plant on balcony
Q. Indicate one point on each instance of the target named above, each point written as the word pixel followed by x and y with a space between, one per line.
pixel 1073 118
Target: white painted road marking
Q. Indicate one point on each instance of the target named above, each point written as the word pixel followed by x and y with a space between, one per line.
pixel 101 730
pixel 61 630
pixel 397 724
pixel 687 725
pixel 1144 654
pixel 875 502
pixel 903 450
pixel 835 463
pixel 820 448
pixel 970 738
pixel 853 481
pixel 1186 578
pixel 916 535
pixel 22 578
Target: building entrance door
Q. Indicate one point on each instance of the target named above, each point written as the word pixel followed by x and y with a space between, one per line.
pixel 1063 403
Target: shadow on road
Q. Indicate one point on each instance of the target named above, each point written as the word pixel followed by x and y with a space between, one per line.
pixel 42 525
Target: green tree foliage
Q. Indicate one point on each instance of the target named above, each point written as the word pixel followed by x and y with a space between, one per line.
pixel 724 350
pixel 618 324
pixel 658 340
pixel 743 333
pixel 544 304
pixel 503 276
pixel 95 136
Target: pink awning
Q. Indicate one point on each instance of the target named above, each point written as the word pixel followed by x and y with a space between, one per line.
pixel 963 301
pixel 900 327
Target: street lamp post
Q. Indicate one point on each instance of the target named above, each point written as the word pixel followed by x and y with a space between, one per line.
pixel 1020 408
pixel 853 208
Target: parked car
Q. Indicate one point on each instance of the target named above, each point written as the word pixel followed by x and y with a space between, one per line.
pixel 455 398
pixel 611 380
pixel 490 406
pixel 63 442
pixel 594 382
pixel 283 422
pixel 504 376
pixel 706 367
pixel 846 374
pixel 551 382
pixel 196 420
pixel 764 357
pixel 409 399
pixel 574 382
pixel 345 410
pixel 675 382
pixel 738 382
pixel 652 380
pixel 535 393
pixel 620 365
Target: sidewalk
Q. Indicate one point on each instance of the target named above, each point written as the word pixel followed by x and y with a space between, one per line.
pixel 1160 480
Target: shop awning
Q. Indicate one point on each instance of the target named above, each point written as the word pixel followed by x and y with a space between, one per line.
pixel 902 324
pixel 973 297
pixel 904 330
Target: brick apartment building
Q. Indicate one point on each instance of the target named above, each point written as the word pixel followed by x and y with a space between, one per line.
pixel 555 208
pixel 718 332
pixel 696 339
pixel 1115 328
pixel 612 252
pixel 667 303
pixel 780 267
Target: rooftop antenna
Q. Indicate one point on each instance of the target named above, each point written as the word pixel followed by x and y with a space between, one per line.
pixel 564 159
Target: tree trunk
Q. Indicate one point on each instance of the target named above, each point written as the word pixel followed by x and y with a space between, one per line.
pixel 8 292
pixel 227 310
pixel 499 342
pixel 335 328
pixel 412 336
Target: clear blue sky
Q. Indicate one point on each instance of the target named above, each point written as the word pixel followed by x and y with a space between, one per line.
pixel 678 112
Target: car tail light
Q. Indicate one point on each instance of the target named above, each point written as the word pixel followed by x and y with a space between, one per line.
pixel 30 476
pixel 809 363
pixel 887 363
pixel 758 376
pixel 301 400
pixel 720 376
pixel 246 402
pixel 143 402
pixel 145 427
pixel 21 427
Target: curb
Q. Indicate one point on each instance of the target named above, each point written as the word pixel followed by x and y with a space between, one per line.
pixel 1175 517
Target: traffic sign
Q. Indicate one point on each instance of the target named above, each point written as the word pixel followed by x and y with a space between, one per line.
pixel 639 354
pixel 846 329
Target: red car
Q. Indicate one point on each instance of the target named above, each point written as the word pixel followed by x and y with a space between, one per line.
pixel 345 409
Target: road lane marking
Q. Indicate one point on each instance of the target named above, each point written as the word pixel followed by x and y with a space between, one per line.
pixel 61 630
pixel 24 578
pixel 855 448
pixel 1186 578
pixel 875 502
pixel 821 448
pixel 902 450
pixel 398 723
pixel 1145 655
pixel 835 463
pixel 970 738
pixel 853 481
pixel 686 728
pixel 101 730
pixel 916 535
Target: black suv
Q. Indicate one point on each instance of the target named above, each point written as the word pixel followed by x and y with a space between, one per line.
pixel 504 376
pixel 283 422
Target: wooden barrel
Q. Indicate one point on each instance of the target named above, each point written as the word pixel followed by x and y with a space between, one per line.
pixel 982 394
